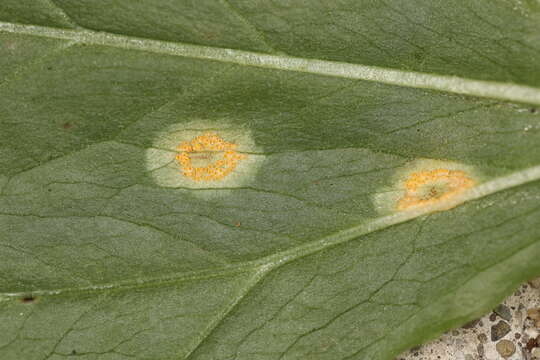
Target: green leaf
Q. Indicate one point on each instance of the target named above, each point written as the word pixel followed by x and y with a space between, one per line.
pixel 306 249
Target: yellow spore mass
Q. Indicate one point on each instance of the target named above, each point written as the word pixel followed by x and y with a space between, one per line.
pixel 430 187
pixel 215 156
pixel 208 146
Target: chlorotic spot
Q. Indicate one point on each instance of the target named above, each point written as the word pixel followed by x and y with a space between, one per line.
pixel 426 188
pixel 204 149
pixel 204 155
pixel 426 184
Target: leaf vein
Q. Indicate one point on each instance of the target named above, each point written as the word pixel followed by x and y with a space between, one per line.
pixel 414 79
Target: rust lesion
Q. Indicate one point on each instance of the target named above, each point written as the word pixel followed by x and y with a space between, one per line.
pixel 208 157
pixel 433 187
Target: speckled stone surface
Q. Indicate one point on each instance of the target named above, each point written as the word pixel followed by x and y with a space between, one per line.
pixel 474 341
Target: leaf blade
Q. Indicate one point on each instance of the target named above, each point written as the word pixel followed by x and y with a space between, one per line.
pixel 90 232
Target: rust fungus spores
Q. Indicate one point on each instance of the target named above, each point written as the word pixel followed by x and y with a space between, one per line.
pixel 426 185
pixel 425 188
pixel 204 155
pixel 208 157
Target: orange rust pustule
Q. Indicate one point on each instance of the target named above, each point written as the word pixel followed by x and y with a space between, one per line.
pixel 454 182
pixel 205 143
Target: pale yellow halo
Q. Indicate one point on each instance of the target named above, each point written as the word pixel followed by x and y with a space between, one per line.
pixel 425 188
pixel 426 184
pixel 209 155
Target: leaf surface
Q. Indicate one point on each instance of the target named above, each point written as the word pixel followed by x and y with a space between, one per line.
pixel 110 252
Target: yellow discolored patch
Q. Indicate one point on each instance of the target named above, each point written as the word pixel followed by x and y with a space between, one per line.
pixel 216 157
pixel 426 188
pixel 212 156
pixel 426 185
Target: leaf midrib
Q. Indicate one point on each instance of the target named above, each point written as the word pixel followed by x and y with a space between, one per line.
pixel 451 84
pixel 263 265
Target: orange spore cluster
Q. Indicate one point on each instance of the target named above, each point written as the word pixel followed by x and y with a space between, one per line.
pixel 423 188
pixel 208 143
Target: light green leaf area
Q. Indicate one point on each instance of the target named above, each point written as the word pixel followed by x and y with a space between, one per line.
pixel 110 251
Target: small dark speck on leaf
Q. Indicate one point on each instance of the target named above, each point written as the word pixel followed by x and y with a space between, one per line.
pixel 73 352
pixel 533 110
pixel 67 125
pixel 49 67
pixel 28 299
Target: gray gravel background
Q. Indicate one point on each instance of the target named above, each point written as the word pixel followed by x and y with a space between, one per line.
pixel 511 331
